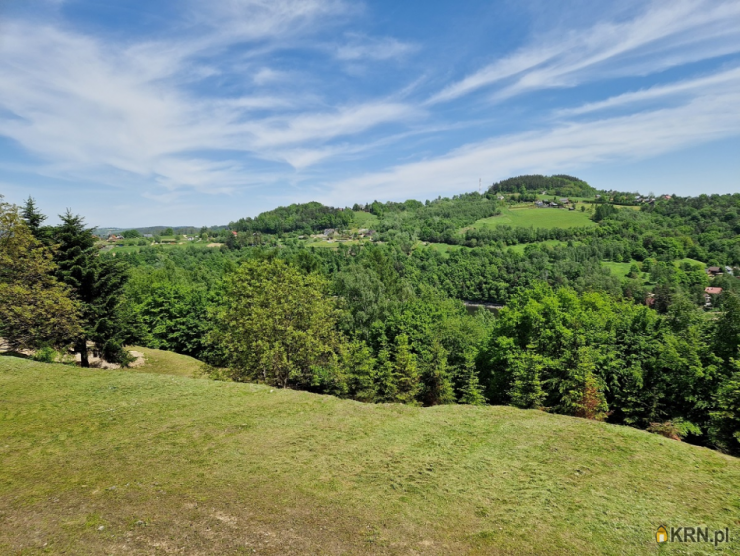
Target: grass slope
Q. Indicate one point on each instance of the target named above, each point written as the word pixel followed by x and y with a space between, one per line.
pixel 115 462
pixel 166 362
pixel 524 217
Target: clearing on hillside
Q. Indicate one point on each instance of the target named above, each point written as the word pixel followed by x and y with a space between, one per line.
pixel 525 217
pixel 116 462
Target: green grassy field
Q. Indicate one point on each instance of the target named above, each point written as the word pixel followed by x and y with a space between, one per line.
pixel 525 217
pixel 618 269
pixel 118 462
pixel 364 220
pixel 520 247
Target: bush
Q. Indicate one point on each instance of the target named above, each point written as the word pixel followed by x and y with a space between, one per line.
pixel 45 354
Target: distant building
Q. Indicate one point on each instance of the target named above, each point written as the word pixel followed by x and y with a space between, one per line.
pixel 708 293
pixel 329 232
pixel 714 271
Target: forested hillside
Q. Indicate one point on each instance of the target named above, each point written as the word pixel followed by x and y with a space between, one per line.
pixel 628 314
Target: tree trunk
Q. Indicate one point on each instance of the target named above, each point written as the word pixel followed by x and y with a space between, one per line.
pixel 81 348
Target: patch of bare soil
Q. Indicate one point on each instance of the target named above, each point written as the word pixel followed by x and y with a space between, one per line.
pixel 98 363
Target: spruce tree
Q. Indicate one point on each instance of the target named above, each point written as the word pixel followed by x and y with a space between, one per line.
pixel 405 371
pixel 97 283
pixel 436 387
pixel 386 389
pixel 471 391
pixel 33 217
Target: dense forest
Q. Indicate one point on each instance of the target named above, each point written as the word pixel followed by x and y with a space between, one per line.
pixel 632 316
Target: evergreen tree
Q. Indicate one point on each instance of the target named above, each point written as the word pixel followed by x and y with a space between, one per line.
pixel 526 391
pixel 98 285
pixel 386 389
pixel 405 371
pixel 436 387
pixel 359 365
pixel 33 217
pixel 471 391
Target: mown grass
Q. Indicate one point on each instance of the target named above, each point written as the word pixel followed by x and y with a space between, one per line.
pixel 530 216
pixel 115 462
pixel 167 362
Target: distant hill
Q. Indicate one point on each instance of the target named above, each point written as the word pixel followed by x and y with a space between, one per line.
pixel 136 463
pixel 306 217
pixel 156 230
pixel 560 184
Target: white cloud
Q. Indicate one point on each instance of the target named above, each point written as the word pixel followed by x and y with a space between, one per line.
pixel 574 145
pixel 723 81
pixel 666 34
pixel 368 48
pixel 82 104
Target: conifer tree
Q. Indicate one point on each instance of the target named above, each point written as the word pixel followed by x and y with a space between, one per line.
pixel 471 391
pixel 405 371
pixel 386 389
pixel 526 390
pixel 33 217
pixel 97 283
pixel 436 387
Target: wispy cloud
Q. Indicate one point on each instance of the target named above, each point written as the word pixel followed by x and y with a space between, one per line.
pixel 577 144
pixel 666 34
pixel 359 47
pixel 723 81
pixel 75 100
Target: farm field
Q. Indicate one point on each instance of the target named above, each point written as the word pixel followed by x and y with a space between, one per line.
pixel 139 463
pixel 526 217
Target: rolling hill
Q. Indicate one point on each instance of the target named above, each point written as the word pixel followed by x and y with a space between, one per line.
pixel 117 462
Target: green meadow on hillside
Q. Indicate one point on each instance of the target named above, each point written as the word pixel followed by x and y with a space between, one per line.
pixel 363 219
pixel 525 217
pixel 119 462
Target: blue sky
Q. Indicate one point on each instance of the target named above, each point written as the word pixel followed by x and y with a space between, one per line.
pixel 188 112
